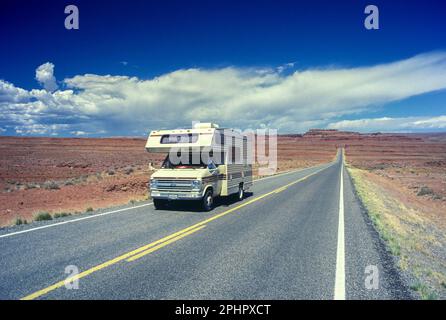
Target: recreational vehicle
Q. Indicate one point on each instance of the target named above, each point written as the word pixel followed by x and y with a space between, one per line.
pixel 201 163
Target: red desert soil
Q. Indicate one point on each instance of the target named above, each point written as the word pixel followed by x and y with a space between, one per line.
pixel 72 174
pixel 69 174
pixel 414 166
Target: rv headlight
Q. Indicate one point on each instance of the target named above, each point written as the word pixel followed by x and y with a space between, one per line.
pixel 196 184
pixel 153 184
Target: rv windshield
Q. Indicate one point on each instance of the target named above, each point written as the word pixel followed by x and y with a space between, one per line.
pixel 190 161
pixel 193 160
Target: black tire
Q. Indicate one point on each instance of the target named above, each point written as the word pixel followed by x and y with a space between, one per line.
pixel 207 202
pixel 240 193
pixel 159 204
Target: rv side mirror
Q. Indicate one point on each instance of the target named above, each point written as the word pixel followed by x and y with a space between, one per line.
pixel 212 167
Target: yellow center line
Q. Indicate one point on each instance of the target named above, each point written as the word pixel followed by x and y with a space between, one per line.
pixel 151 247
pixel 280 189
pixel 133 258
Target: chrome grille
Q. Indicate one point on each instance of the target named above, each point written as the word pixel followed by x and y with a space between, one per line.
pixel 174 185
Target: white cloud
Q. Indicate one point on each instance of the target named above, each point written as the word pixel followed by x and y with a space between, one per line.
pixel 436 122
pixel 45 76
pixel 238 97
pixel 40 129
pixel 79 133
pixel 11 94
pixel 391 124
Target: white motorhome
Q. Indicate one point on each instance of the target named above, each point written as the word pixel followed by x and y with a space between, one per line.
pixel 202 163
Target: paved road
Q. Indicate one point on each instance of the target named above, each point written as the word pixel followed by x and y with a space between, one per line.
pixel 297 236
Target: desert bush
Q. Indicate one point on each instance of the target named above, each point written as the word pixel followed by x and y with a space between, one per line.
pixel 379 166
pixel 89 209
pixel 42 216
pixel 61 215
pixel 31 186
pixel 110 172
pixel 51 185
pixel 424 291
pixel 69 182
pixel 425 191
pixel 128 170
pixel 19 221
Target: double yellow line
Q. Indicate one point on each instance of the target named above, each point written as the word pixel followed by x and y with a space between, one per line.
pixel 158 244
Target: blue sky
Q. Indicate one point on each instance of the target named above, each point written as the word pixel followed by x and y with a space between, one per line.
pixel 292 65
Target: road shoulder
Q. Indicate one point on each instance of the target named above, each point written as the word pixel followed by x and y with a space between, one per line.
pixel 364 243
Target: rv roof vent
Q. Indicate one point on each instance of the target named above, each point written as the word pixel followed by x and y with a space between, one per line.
pixel 204 125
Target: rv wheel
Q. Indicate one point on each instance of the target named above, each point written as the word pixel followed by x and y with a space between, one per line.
pixel 207 201
pixel 241 193
pixel 159 203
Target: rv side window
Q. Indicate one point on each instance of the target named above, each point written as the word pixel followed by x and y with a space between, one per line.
pixel 233 154
pixel 179 138
pixel 236 151
pixel 218 157
pixel 245 150
pixel 236 155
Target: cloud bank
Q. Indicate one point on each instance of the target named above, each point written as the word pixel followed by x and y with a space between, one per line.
pixel 237 97
pixel 386 124
pixel 45 76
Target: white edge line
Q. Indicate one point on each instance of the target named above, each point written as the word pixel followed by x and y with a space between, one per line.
pixel 73 220
pixel 339 290
pixel 120 210
pixel 288 172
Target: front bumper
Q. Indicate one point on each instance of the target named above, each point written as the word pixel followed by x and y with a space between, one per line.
pixel 193 195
